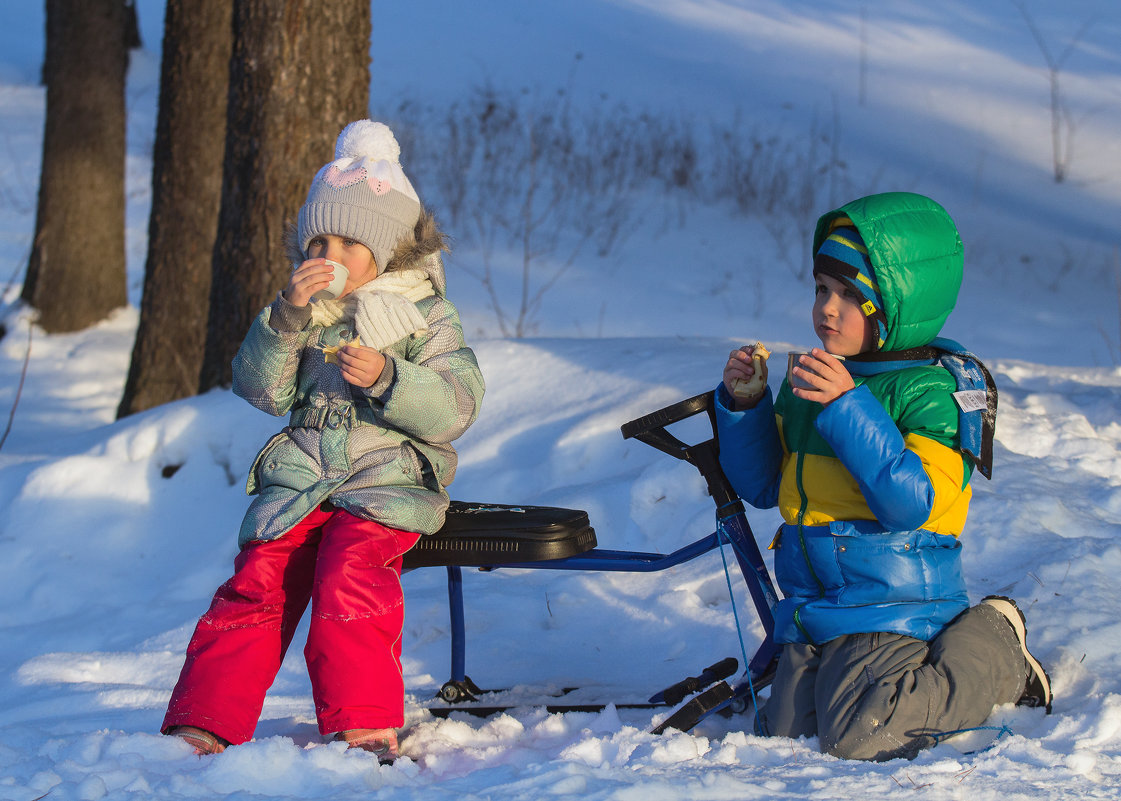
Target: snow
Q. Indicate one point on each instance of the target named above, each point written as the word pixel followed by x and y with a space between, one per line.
pixel 114 534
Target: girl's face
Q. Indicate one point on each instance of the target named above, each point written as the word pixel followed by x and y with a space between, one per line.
pixel 355 256
pixel 838 320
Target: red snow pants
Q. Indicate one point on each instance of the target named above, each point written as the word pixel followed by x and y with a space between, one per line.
pixel 350 570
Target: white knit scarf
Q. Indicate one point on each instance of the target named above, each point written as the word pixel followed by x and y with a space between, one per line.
pixel 383 310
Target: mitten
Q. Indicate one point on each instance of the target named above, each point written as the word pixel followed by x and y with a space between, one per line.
pixel 383 318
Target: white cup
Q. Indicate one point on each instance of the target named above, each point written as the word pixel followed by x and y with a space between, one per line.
pixel 792 362
pixel 338 282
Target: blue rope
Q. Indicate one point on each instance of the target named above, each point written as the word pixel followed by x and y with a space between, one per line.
pixel 725 538
pixel 1001 730
pixel 722 537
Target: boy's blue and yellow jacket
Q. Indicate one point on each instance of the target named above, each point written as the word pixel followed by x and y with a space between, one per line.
pixel 872 489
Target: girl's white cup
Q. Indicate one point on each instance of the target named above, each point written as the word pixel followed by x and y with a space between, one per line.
pixel 338 282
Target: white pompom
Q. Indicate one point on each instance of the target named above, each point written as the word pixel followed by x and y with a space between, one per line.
pixel 368 139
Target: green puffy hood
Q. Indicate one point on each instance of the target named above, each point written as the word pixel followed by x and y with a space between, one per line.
pixel 917 256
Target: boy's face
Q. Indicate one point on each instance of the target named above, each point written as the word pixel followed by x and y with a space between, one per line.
pixel 838 320
pixel 353 255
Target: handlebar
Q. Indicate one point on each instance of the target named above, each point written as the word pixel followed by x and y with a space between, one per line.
pixel 674 413
pixel 705 456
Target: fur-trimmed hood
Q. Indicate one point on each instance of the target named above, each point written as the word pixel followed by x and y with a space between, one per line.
pixel 421 251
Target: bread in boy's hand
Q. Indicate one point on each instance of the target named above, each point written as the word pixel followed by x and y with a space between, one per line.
pixel 749 389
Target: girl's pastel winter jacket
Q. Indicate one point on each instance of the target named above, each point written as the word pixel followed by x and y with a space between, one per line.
pixel 382 453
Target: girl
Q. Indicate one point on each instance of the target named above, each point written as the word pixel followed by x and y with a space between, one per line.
pixel 377 382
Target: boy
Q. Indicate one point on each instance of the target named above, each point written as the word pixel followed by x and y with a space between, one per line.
pixel 881 651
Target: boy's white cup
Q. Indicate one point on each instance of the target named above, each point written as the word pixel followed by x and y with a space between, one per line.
pixel 792 362
pixel 338 282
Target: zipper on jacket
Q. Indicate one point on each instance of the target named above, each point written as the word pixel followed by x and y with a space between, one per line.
pixel 804 502
pixel 802 628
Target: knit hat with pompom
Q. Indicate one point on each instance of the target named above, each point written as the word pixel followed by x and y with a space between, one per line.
pixel 363 194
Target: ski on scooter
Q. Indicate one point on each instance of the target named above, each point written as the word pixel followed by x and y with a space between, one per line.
pixel 487 710
pixel 699 706
pixel 693 710
pixel 479 703
pixel 676 693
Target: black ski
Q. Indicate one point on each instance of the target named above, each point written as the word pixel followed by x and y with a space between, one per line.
pixel 691 713
pixel 683 719
pixel 676 693
pixel 486 710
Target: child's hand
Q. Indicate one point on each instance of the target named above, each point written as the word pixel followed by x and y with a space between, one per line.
pixel 826 373
pixel 739 367
pixel 310 277
pixel 361 366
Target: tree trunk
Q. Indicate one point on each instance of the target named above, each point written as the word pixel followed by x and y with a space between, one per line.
pixel 76 270
pixel 299 73
pixel 186 195
pixel 132 27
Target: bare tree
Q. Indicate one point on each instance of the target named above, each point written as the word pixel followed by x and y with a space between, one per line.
pixel 1062 122
pixel 76 270
pixel 503 170
pixel 186 193
pixel 132 27
pixel 299 72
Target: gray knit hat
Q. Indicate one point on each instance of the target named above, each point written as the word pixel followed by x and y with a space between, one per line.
pixel 363 194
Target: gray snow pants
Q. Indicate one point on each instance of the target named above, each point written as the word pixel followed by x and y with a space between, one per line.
pixel 883 696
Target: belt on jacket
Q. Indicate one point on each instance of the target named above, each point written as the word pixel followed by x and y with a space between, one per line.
pixel 346 415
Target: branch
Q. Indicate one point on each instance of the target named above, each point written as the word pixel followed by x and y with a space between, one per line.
pixel 19 388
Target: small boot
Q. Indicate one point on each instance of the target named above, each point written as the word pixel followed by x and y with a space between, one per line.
pixel 204 742
pixel 1037 690
pixel 381 742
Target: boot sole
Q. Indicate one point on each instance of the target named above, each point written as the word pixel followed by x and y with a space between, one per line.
pixel 1038 691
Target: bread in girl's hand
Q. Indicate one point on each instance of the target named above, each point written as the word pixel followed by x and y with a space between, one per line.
pixel 748 389
pixel 331 353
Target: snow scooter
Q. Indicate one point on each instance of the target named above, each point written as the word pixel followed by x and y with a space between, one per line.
pixel 495 536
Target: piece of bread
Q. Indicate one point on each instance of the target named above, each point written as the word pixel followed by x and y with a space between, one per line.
pixel 331 353
pixel 752 388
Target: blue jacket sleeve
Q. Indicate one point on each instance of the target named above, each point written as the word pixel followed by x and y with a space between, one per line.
pixel 750 450
pixel 867 441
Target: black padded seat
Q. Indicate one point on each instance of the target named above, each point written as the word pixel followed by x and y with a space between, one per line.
pixel 493 534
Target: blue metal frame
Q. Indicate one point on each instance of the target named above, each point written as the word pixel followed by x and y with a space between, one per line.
pixel 735 530
pixel 732 528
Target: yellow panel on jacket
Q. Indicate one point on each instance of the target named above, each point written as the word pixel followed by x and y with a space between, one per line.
pixel 837 496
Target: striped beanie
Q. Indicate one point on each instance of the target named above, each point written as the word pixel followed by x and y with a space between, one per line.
pixel 844 256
